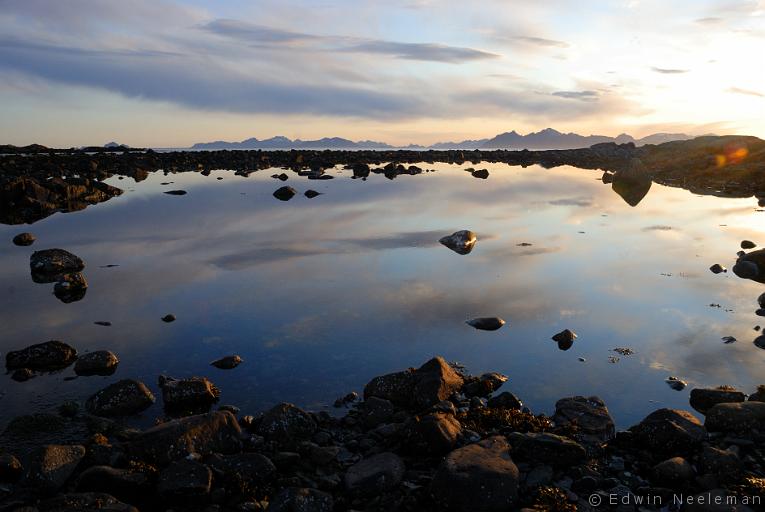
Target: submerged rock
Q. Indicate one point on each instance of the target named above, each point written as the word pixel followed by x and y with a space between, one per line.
pixel 310 194
pixel 24 239
pixel 176 192
pixel 123 398
pixel 100 362
pixel 461 242
pixel 675 383
pixel 486 323
pixel 49 356
pixel 70 288
pixel 285 193
pixel 480 174
pixel 168 318
pixel 228 362
pixel 194 392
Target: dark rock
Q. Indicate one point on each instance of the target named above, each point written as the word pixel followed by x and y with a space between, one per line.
pixel 184 480
pixel 479 477
pixel 347 399
pixel 505 400
pixel 104 324
pixel 70 288
pixel 243 472
pixel 168 318
pixel 480 174
pixel 717 268
pixel 100 362
pixel 50 466
pixel 546 448
pixel 375 411
pixel 486 323
pixel 84 502
pixel 286 424
pixel 48 356
pixel 675 383
pixel 723 464
pixel 280 177
pixel 746 269
pixel 310 194
pixel 589 416
pixel 10 468
pixel 285 193
pixel 704 399
pixel 748 244
pixel 461 242
pixel 759 395
pixel 203 434
pixel 55 261
pixel 227 363
pixel 124 484
pixel 176 192
pixel 432 434
pixel 485 385
pixel 669 432
pixel 192 393
pixel 565 336
pixel 22 375
pixel 294 499
pixel 736 417
pixel 374 475
pixel 123 398
pixel 675 473
pixel 24 239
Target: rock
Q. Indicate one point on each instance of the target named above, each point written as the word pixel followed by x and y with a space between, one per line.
pixel 227 363
pixel 759 395
pixel 717 268
pixel 70 288
pixel 84 502
pixel 22 375
pixel 486 323
pixel 761 300
pixel 484 385
pixel 55 261
pixel 480 174
pixel 431 383
pixel 100 362
pixel 669 432
pixel 244 470
pixel 374 475
pixel 347 399
pixel 540 475
pixel 728 339
pixel 124 484
pixel 184 480
pixel 673 473
pixel 193 393
pixel 723 464
pixel 301 499
pixel 566 336
pixel 202 434
pixel 123 398
pixel 24 239
pixel 589 416
pixel 10 468
pixel 375 411
pixel 48 356
pixel 461 242
pixel 546 448
pixel 747 270
pixel 748 244
pixel 103 324
pixel 168 318
pixel 285 193
pixel 479 477
pixel 505 400
pixel 50 466
pixel 176 192
pixel 759 341
pixel 736 417
pixel 432 434
pixel 310 194
pixel 280 177
pixel 704 399
pixel 286 424
pixel 675 383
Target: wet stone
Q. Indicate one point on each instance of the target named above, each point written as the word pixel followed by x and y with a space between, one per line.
pixel 123 398
pixel 100 362
pixel 227 363
pixel 48 356
pixel 486 323
pixel 184 480
pixel 24 239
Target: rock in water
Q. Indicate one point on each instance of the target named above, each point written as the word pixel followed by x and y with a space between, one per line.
pixel 49 356
pixel 123 398
pixel 461 242
pixel 285 193
pixel 196 393
pixel 310 194
pixel 748 244
pixel 176 192
pixel 287 424
pixel 70 288
pixel 168 318
pixel 100 362
pixel 227 363
pixel 480 174
pixel 717 268
pixel 675 383
pixel 565 339
pixel 704 399
pixel 478 477
pixel 746 269
pixel 486 323
pixel 24 239
pixel 55 261
pixel 51 466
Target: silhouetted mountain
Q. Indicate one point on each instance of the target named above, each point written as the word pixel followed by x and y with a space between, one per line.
pixel 545 139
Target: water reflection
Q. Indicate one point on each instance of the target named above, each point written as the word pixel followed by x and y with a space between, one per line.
pixel 320 295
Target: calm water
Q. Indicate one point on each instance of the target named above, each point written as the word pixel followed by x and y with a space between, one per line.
pixel 319 295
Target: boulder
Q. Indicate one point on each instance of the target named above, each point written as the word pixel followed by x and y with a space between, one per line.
pixel 100 362
pixel 505 400
pixel 202 434
pixel 184 481
pixel 374 411
pixel 673 473
pixel 50 466
pixel 48 356
pixel 24 239
pixel 432 434
pixel 478 477
pixel 461 242
pixel 704 399
pixel 70 287
pixel 227 363
pixel 195 393
pixel 546 448
pixel 10 468
pixel 55 261
pixel 491 323
pixel 375 475
pixel 243 471
pixel 286 424
pixel 123 398
pixel 589 416
pixel 669 432
pixel 736 417
pixel 124 484
pixel 750 265
pixel 725 465
pixel 301 499
pixel 285 193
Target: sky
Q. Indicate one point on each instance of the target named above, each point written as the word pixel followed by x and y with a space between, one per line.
pixel 165 73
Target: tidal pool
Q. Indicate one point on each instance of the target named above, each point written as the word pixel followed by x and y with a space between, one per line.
pixel 319 295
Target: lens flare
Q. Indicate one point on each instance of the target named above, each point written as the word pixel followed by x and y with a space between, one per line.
pixel 731 155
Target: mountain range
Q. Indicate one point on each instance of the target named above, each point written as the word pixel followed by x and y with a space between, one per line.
pixel 544 139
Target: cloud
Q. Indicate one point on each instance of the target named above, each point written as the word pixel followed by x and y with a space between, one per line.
pixel 669 71
pixel 748 92
pixel 540 41
pixel 578 95
pixel 254 33
pixel 581 202
pixel 421 51
pixel 711 20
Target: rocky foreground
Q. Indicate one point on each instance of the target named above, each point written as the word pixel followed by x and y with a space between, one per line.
pixel 431 438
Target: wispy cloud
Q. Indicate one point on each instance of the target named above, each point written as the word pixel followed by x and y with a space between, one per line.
pixel 669 71
pixel 539 41
pixel 748 92
pixel 577 95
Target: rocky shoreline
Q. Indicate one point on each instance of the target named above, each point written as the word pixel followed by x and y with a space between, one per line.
pixel 431 438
